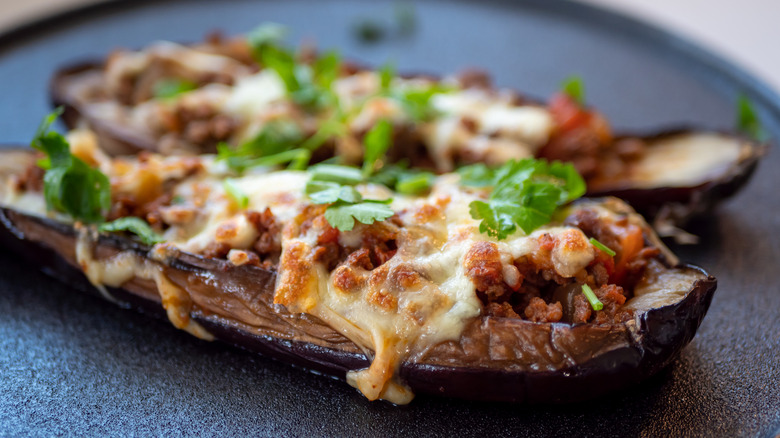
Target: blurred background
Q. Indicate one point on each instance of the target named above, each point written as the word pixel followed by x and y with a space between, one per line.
pixel 743 31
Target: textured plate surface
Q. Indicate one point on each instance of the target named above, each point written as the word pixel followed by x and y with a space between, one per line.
pixel 72 364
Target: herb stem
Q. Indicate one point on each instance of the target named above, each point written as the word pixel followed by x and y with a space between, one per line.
pixel 602 247
pixel 592 298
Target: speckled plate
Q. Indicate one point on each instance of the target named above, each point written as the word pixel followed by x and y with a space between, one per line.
pixel 71 364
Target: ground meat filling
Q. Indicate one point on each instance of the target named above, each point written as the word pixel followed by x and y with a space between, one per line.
pixel 531 289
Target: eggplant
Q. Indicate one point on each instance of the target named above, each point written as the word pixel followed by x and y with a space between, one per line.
pixel 495 359
pixel 651 183
pixel 682 176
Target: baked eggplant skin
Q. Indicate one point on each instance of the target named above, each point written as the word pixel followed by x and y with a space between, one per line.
pixel 553 362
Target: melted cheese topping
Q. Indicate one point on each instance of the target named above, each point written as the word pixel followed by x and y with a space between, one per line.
pixel 421 296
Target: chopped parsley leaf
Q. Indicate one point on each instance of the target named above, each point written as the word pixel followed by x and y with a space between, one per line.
pixel 134 225
pixel 274 144
pixel 71 186
pixel 376 143
pixel 747 120
pixel 235 193
pixel 168 88
pixel 525 194
pixel 574 87
pixel 342 215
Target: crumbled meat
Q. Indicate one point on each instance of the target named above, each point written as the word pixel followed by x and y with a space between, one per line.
pixel 345 278
pixel 612 297
pixel 483 266
pixel 31 179
pixel 539 311
pixel 582 309
pixel 474 78
pixel 501 310
pixel 216 250
pixel 200 124
pixel 405 277
pixel 268 242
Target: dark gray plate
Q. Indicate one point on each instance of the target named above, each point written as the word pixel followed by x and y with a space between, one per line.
pixel 72 364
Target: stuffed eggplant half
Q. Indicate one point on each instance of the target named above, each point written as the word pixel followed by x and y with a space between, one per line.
pixel 246 96
pixel 490 284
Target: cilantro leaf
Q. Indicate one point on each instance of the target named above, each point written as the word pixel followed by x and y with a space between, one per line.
pixel 414 183
pixel 274 144
pixel 574 87
pixel 283 63
pixel 386 76
pixel 235 193
pixel 168 88
pixel 265 35
pixel 377 141
pixel 342 215
pixel 416 101
pixel 525 193
pixel 337 174
pixel 70 185
pixel 306 85
pixel 134 225
pixel 323 192
pixel 493 223
pixel 747 120
pixel 476 175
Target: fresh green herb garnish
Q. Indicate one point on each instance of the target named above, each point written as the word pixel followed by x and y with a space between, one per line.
pixel 525 193
pixel 337 174
pixel 265 35
pixel 414 183
pixel 333 127
pixel 376 143
pixel 235 193
pixel 592 298
pixel 477 175
pixel 307 85
pixel 168 88
pixel 404 180
pixel 70 185
pixel 342 215
pixel 134 225
pixel 417 101
pixel 574 87
pixel 386 76
pixel 334 185
pixel 325 192
pixel 602 247
pixel 747 120
pixel 273 145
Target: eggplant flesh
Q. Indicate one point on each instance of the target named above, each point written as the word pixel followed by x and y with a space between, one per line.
pixel 676 179
pixel 496 359
pixel 683 175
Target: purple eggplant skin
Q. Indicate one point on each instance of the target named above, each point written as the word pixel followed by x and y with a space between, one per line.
pixel 552 362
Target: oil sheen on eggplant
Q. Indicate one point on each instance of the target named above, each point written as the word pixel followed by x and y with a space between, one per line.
pixel 495 358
